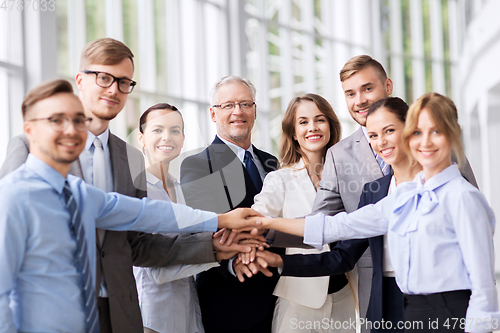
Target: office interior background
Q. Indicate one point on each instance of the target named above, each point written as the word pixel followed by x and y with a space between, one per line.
pixel 285 47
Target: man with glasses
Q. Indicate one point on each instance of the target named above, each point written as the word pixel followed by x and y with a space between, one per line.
pixel 108 163
pixel 227 175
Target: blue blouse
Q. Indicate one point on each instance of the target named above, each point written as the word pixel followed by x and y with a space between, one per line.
pixel 440 235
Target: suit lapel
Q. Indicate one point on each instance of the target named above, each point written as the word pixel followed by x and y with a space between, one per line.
pixel 118 154
pixel 366 155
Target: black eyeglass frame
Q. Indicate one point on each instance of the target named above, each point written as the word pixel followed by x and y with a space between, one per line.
pixel 115 79
pixel 67 120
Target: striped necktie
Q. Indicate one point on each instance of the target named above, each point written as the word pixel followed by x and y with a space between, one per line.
pixel 253 171
pixel 384 167
pixel 82 262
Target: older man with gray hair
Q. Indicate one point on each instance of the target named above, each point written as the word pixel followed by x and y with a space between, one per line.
pixel 224 176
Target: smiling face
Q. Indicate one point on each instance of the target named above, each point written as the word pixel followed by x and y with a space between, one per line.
pixel 363 89
pixel 163 136
pixel 429 146
pixel 312 129
pixel 385 130
pixel 234 125
pixel 103 103
pixel 57 149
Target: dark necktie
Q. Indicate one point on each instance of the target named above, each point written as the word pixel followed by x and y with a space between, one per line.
pixel 82 262
pixel 253 171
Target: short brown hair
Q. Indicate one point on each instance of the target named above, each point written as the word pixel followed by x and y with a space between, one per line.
pixel 290 151
pixel 43 91
pixel 444 114
pixel 357 63
pixel 105 51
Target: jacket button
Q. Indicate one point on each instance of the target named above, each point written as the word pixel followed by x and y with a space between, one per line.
pixel 103 253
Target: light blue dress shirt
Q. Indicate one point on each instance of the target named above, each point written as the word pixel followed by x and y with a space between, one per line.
pixel 440 235
pixel 36 247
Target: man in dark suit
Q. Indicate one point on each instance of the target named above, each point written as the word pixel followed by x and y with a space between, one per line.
pixel 227 175
pixel 104 62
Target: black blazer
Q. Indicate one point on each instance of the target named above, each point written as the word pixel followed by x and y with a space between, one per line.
pixel 216 180
pixel 372 193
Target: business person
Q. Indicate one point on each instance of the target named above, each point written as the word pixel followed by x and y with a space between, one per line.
pixel 226 175
pixel 310 127
pixel 439 226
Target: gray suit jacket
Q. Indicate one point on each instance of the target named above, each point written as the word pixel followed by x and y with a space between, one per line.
pixel 120 250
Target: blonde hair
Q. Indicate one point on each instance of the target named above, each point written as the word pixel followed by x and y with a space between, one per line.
pixel 357 63
pixel 444 114
pixel 290 151
pixel 105 51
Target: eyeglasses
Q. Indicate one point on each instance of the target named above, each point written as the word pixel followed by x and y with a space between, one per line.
pixel 60 123
pixel 231 106
pixel 106 80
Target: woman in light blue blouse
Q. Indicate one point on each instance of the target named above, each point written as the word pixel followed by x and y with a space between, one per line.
pixel 440 230
pixel 167 296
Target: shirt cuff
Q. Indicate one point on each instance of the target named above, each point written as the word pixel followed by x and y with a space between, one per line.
pixel 230 266
pixel 481 321
pixel 271 235
pixel 313 230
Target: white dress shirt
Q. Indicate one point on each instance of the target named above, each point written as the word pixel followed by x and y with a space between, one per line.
pixel 240 152
pixel 167 295
pixel 440 235
pixel 86 159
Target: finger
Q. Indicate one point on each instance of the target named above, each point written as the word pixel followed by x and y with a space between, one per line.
pixel 251 212
pixel 219 233
pixel 253 267
pixel 246 270
pixel 231 236
pixel 245 258
pixel 239 273
pixel 248 236
pixel 225 236
pixel 266 272
pixel 262 262
pixel 251 255
pixel 224 255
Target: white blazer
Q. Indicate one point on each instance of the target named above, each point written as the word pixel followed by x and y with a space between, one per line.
pixel 290 193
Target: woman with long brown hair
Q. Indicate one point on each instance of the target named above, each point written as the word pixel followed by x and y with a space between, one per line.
pixel 310 127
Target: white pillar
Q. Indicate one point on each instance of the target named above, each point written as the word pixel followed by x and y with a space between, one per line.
pixel 417 49
pixel 437 49
pixel 397 61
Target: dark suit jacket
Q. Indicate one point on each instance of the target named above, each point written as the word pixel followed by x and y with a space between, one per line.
pixel 120 250
pixel 216 180
pixel 372 193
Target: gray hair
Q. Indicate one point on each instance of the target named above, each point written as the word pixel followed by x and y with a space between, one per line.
pixel 230 79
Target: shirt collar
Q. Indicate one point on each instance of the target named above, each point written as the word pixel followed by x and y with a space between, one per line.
pixel 240 152
pixel 46 172
pixel 153 180
pixel 365 132
pixel 438 180
pixel 104 137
